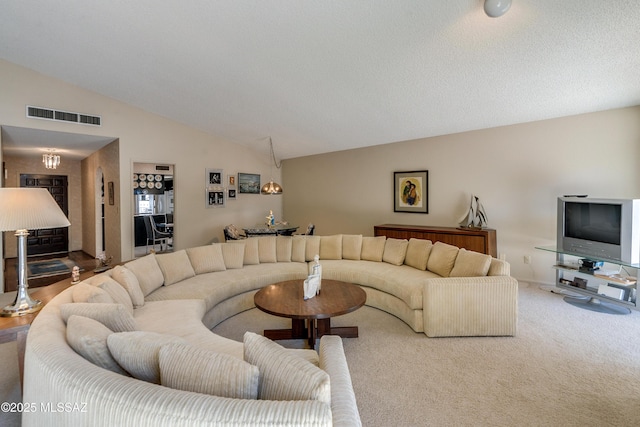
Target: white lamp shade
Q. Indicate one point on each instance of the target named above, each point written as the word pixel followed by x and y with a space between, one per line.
pixel 29 209
pixel 496 8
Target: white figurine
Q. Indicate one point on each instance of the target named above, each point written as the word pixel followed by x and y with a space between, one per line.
pixel 316 270
pixel 311 286
pixel 75 275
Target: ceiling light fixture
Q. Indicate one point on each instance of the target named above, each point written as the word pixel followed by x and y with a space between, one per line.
pixel 272 187
pixel 50 160
pixel 496 8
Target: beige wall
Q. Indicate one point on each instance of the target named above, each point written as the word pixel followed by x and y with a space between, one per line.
pixel 517 171
pixel 16 166
pixel 147 138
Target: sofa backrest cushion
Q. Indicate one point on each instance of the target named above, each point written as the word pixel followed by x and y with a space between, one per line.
pixel 130 283
pixel 442 258
pixel 138 352
pixel 233 254
pixel 207 258
pixel 251 251
pixel 298 248
pixel 148 273
pixel 114 316
pixel 312 247
pixel 283 248
pixel 418 251
pixel 351 246
pixel 267 251
pixel 83 292
pixel 499 267
pixel 88 338
pixel 285 376
pixel 189 368
pixel 395 250
pixel 331 247
pixel 470 264
pixel 175 266
pixel 117 292
pixel 372 248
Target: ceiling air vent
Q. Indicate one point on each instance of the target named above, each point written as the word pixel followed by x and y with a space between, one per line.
pixel 62 116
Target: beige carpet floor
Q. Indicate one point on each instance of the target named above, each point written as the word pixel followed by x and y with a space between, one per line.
pixel 566 367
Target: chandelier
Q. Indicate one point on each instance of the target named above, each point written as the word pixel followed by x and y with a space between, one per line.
pixel 272 187
pixel 50 160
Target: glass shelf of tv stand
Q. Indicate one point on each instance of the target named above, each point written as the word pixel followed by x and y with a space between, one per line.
pixel 593 300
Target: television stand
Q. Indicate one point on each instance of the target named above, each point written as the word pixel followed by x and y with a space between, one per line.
pixel 595 304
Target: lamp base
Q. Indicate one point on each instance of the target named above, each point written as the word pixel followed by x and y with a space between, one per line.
pixel 21 306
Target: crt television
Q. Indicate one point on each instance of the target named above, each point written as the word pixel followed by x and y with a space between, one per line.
pixel 603 229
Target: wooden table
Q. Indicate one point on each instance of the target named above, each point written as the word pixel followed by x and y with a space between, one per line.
pixel 310 319
pixel 279 229
pixel 16 328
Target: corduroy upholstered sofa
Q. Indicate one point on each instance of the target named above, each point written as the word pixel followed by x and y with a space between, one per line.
pixel 158 331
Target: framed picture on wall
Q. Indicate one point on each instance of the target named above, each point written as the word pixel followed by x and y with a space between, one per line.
pixel 215 198
pixel 214 178
pixel 231 193
pixel 411 191
pixel 249 183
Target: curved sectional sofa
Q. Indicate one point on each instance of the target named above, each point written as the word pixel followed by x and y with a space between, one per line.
pixel 133 346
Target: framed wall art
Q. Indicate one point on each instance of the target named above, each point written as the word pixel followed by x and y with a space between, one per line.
pixel 215 198
pixel 231 193
pixel 249 183
pixel 214 177
pixel 411 191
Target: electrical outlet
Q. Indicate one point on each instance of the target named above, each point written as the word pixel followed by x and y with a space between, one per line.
pixel 527 259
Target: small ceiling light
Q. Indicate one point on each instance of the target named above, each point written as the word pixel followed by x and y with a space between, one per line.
pixel 272 187
pixel 496 8
pixel 50 160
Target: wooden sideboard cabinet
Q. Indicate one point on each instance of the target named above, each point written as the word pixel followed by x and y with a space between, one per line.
pixel 482 240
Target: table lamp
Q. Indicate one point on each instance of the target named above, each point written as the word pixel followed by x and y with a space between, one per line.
pixel 23 209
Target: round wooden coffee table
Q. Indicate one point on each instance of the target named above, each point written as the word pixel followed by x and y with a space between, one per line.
pixel 310 319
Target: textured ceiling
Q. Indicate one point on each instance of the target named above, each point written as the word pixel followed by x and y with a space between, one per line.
pixel 321 76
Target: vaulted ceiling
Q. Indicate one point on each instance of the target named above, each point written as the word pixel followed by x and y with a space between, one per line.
pixel 327 75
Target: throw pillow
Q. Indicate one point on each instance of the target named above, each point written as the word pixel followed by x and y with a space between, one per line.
pixel 267 249
pixel 88 338
pixel 312 247
pixel 138 352
pixel 331 247
pixel 188 368
pixel 442 258
pixel 395 251
pixel 233 254
pixel 283 248
pixel 113 316
pixel 206 259
pixel 175 267
pixel 284 376
pixel 418 251
pixel 470 264
pixel 351 246
pixel 372 248
pixel 251 252
pixel 83 292
pixel 148 272
pixel 118 293
pixel 130 283
pixel 298 248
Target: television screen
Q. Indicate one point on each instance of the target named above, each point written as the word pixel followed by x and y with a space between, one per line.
pixel 598 222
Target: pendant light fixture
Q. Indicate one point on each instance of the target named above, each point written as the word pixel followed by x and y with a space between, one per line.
pixel 496 8
pixel 50 160
pixel 272 187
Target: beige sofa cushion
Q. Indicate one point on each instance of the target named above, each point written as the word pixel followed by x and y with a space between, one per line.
pixel 175 266
pixel 88 338
pixel 418 251
pixel 372 248
pixel 395 251
pixel 233 255
pixel 312 247
pixel 499 267
pixel 138 352
pixel 114 316
pixel 267 251
pixel 470 264
pixel 117 292
pixel 147 272
pixel 298 248
pixel 284 376
pixel 251 251
pixel 83 292
pixel 130 283
pixel 351 246
pixel 207 258
pixel 283 248
pixel 331 247
pixel 189 368
pixel 442 258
